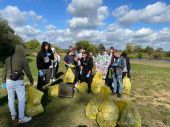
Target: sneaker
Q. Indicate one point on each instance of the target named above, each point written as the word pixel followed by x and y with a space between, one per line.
pixel 13 117
pixel 25 120
pixel 119 95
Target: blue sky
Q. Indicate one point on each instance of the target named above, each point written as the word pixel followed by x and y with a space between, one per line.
pixel 112 22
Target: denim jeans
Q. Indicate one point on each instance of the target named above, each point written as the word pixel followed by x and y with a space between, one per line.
pixel 18 87
pixel 117 82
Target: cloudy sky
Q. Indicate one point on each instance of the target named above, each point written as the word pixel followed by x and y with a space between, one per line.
pixel 111 22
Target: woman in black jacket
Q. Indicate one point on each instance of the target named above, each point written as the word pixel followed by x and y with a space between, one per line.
pixel 127 68
pixel 86 69
pixel 44 59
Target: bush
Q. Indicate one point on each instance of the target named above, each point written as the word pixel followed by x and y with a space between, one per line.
pixel 140 55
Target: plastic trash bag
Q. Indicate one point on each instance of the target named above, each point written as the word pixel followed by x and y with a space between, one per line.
pixel 108 114
pixel 82 87
pixel 53 91
pixel 129 118
pixel 97 83
pixel 69 76
pixel 105 91
pixel 92 107
pixel 33 110
pixel 121 104
pixel 126 86
pixel 33 103
pixel 34 96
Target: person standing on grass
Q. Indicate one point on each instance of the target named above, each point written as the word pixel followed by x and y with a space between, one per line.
pixel 13 77
pixel 55 64
pixel 86 69
pixel 70 60
pixel 127 68
pixel 102 62
pixel 109 78
pixel 43 60
pixel 117 65
pixel 78 54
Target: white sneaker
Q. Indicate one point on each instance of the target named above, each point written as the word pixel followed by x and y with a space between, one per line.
pixel 13 117
pixel 25 120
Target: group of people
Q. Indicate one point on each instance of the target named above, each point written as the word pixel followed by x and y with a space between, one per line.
pixel 114 67
pixel 83 64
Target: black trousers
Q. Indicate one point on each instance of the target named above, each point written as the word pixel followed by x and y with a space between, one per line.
pixel 83 78
pixel 44 79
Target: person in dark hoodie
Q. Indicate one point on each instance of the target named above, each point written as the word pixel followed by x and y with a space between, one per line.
pixel 44 59
pixel 13 78
pixel 127 68
pixel 86 69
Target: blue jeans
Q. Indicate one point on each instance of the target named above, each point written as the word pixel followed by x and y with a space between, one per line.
pixel 18 87
pixel 117 82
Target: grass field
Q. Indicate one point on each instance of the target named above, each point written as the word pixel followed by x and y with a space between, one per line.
pixel 150 95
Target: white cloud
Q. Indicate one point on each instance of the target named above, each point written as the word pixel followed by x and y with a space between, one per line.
pixel 14 16
pixel 84 23
pixel 154 13
pixel 18 18
pixel 87 14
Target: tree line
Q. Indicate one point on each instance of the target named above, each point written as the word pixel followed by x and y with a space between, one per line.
pixel 8 40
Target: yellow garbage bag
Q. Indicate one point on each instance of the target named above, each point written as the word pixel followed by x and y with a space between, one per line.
pixel 129 118
pixel 82 87
pixel 31 110
pixel 34 96
pixel 121 104
pixel 105 91
pixel 53 91
pixel 69 76
pixel 97 83
pixel 108 114
pixel 126 86
pixel 92 107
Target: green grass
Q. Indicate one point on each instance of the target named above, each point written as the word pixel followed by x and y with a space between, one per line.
pixel 150 95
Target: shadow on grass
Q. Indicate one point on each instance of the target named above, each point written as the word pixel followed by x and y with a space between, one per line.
pixel 3 100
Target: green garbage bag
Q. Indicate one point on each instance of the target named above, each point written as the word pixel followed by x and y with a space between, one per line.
pixel 92 107
pixel 108 114
pixel 129 118
pixel 82 87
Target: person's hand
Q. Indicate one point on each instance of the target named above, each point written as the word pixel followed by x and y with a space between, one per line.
pixel 81 72
pixel 41 74
pixel 88 75
pixel 48 54
pixel 4 85
pixel 72 66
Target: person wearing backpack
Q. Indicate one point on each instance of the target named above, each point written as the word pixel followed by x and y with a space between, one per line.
pixel 117 65
pixel 13 78
pixel 43 61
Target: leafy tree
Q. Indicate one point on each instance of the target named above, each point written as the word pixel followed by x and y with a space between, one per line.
pixel 149 51
pixel 33 45
pixel 100 46
pixel 129 48
pixel 86 45
pixel 8 40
